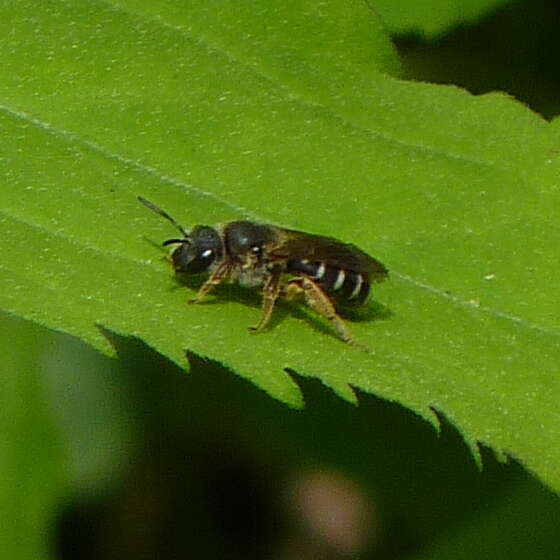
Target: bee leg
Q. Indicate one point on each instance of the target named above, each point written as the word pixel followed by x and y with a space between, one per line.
pixel 292 290
pixel 217 277
pixel 271 291
pixel 316 298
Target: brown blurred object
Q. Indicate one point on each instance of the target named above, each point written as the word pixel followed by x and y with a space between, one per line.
pixel 333 518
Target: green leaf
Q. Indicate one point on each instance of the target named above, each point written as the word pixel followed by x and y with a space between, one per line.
pixel 32 464
pixel 285 113
pixel 433 18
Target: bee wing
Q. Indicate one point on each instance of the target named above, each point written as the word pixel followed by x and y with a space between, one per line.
pixel 318 248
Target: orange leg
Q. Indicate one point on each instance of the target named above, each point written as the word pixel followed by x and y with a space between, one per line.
pixel 271 291
pixel 217 277
pixel 316 298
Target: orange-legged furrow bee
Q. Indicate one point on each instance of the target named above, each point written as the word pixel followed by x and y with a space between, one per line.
pixel 283 263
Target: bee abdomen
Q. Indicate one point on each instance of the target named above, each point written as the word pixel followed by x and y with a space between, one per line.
pixel 346 286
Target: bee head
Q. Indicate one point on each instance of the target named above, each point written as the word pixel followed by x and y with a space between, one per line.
pixel 196 250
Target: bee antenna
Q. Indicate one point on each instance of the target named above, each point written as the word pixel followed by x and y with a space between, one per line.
pixel 173 242
pixel 163 213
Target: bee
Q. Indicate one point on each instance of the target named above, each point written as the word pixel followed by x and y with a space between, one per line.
pixel 328 274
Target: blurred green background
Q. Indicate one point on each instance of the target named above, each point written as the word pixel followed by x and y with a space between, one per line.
pixel 515 49
pixel 132 458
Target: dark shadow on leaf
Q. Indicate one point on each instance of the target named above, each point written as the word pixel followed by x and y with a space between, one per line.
pixel 373 311
pixel 216 453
